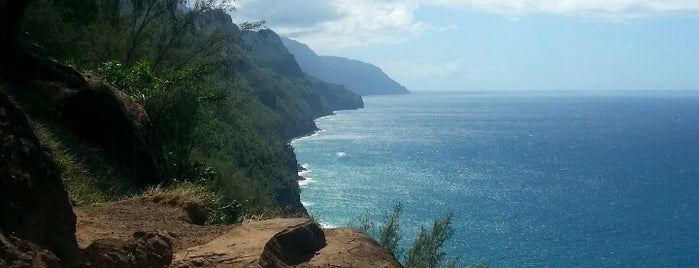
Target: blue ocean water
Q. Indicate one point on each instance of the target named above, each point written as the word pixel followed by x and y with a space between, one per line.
pixel 543 180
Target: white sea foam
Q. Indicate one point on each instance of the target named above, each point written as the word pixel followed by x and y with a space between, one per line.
pixel 305 170
pixel 325 225
pixel 340 154
pixel 306 182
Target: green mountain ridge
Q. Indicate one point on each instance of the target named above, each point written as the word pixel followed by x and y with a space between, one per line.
pixel 360 77
pixel 273 62
pixel 223 100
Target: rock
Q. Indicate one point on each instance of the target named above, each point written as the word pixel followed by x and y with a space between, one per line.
pixel 239 247
pixel 112 122
pixel 347 247
pixel 35 212
pixel 293 246
pixel 117 125
pixel 294 242
pixel 145 250
pixel 21 253
pixel 197 212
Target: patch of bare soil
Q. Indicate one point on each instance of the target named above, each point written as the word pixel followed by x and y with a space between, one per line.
pixel 281 242
pixel 240 247
pixel 121 220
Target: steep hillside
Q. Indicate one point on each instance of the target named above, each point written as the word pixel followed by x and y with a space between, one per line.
pixel 276 79
pixel 360 77
pixel 222 100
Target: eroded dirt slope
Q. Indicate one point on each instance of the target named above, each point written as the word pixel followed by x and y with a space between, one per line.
pixel 239 245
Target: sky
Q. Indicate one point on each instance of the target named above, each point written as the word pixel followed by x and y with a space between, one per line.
pixel 503 45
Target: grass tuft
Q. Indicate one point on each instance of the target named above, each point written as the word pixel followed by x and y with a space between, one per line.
pixel 202 205
pixel 84 186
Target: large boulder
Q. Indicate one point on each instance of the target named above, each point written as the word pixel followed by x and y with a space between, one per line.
pixel 348 248
pixel 35 212
pixel 112 122
pixel 144 250
pixel 293 246
pixel 295 242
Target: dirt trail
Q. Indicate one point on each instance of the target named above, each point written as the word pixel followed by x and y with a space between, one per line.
pixel 239 245
pixel 121 219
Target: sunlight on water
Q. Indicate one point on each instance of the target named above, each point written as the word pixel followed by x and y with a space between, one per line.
pixel 569 180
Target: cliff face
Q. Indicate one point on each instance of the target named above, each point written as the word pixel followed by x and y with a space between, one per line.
pixel 268 51
pixel 37 224
pixel 37 221
pixel 360 77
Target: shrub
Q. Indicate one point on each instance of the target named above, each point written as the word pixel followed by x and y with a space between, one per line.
pixel 426 250
pixel 390 234
pixel 199 202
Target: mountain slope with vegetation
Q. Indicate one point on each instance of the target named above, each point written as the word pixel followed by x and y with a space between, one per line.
pixel 360 77
pixel 130 94
pixel 223 100
pixel 151 118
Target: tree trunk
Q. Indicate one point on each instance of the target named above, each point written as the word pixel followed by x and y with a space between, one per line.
pixel 11 14
pixel 22 61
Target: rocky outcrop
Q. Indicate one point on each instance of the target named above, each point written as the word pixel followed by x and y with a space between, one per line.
pixel 347 247
pixel 36 219
pixel 293 246
pixel 295 242
pixel 108 120
pixel 144 250
pixel 113 122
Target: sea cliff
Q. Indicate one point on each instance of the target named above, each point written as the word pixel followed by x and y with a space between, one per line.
pixel 194 133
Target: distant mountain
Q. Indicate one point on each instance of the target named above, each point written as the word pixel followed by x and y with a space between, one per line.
pixel 360 77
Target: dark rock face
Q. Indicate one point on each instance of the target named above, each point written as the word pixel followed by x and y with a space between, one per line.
pixel 145 250
pixel 118 126
pixel 15 252
pixel 110 121
pixel 35 212
pixel 293 246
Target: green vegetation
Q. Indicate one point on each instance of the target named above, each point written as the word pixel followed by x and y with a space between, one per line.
pixel 389 233
pixel 224 100
pixel 201 203
pixel 83 185
pixel 425 251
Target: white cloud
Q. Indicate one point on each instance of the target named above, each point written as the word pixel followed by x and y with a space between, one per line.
pixel 297 13
pixel 351 22
pixel 335 24
pixel 621 8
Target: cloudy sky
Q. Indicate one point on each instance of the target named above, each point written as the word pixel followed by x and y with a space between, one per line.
pixel 501 44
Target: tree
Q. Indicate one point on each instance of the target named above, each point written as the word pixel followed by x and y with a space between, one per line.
pixel 426 251
pixel 11 14
pixel 390 233
pixel 23 60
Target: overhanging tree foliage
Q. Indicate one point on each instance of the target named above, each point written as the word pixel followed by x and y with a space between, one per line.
pixel 23 61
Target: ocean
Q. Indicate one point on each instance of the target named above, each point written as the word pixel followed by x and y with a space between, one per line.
pixel 533 179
